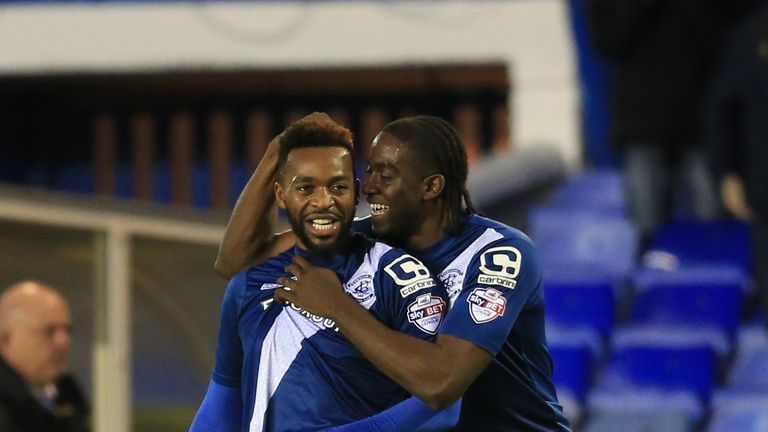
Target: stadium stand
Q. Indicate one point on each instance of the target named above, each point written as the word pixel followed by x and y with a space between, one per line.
pixel 655 339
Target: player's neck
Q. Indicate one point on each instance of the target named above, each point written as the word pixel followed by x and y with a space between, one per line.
pixel 432 230
pixel 327 257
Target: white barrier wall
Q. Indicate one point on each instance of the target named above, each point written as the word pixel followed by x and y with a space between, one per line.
pixel 531 36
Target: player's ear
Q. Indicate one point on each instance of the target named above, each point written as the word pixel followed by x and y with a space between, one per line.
pixel 432 186
pixel 279 195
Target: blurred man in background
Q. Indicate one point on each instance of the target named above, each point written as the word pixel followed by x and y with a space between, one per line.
pixel 737 130
pixel 36 393
pixel 663 53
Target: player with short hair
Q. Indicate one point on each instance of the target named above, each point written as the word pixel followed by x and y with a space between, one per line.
pixel 491 346
pixel 282 368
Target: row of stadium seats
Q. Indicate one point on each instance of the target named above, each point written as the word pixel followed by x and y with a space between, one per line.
pixel 81 179
pixel 651 339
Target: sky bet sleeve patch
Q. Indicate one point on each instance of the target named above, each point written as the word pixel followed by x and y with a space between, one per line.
pixel 486 304
pixel 426 313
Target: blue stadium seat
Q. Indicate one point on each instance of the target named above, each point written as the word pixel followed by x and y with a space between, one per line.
pixel 642 410
pixel 740 421
pixel 661 362
pixel 739 412
pixel 669 421
pixel 124 181
pixel 572 367
pixel 749 372
pixel 701 296
pixel 201 186
pixel 74 178
pixel 584 243
pixel 163 183
pixel 704 243
pixel 589 303
pixel 600 191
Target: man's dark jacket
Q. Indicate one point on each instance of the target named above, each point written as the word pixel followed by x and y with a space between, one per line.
pixel 663 53
pixel 20 411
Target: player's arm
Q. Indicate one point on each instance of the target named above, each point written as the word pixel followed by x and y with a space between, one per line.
pixel 409 415
pixel 221 409
pixel 250 235
pixel 437 373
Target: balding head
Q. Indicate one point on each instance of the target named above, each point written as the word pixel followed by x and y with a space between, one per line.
pixel 35 331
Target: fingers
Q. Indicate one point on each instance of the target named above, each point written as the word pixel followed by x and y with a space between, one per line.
pixel 282 296
pixel 293 269
pixel 318 116
pixel 298 266
pixel 287 283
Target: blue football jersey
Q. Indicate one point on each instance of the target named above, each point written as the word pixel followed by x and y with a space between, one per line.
pixel 493 278
pixel 296 370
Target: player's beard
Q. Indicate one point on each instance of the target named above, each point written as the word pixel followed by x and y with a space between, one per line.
pixel 326 249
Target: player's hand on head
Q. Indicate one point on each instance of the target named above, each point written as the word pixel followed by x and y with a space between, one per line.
pixel 317 290
pixel 318 116
pixel 273 148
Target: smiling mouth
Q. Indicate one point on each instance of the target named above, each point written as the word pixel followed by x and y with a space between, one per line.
pixel 379 209
pixel 322 227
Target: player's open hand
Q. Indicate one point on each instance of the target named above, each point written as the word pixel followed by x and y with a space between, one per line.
pixel 317 290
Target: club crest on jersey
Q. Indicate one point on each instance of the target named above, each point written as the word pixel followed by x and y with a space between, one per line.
pixel 500 266
pixel 410 274
pixel 426 313
pixel 486 304
pixel 452 279
pixel 361 289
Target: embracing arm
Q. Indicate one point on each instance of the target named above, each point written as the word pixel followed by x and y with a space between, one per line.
pixel 409 415
pixel 437 373
pixel 252 225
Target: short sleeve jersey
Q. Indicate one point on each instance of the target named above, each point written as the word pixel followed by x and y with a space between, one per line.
pixel 493 278
pixel 295 370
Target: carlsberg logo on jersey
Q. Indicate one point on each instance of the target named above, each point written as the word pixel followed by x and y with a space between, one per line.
pixel 500 266
pixel 486 304
pixel 426 313
pixel 410 274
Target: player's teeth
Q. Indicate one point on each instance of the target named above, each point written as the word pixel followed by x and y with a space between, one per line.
pixel 322 224
pixel 379 208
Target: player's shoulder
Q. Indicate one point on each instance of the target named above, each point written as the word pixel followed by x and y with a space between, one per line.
pixel 496 233
pixel 402 270
pixel 504 254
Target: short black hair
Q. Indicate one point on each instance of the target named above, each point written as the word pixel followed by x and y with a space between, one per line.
pixel 313 133
pixel 437 149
